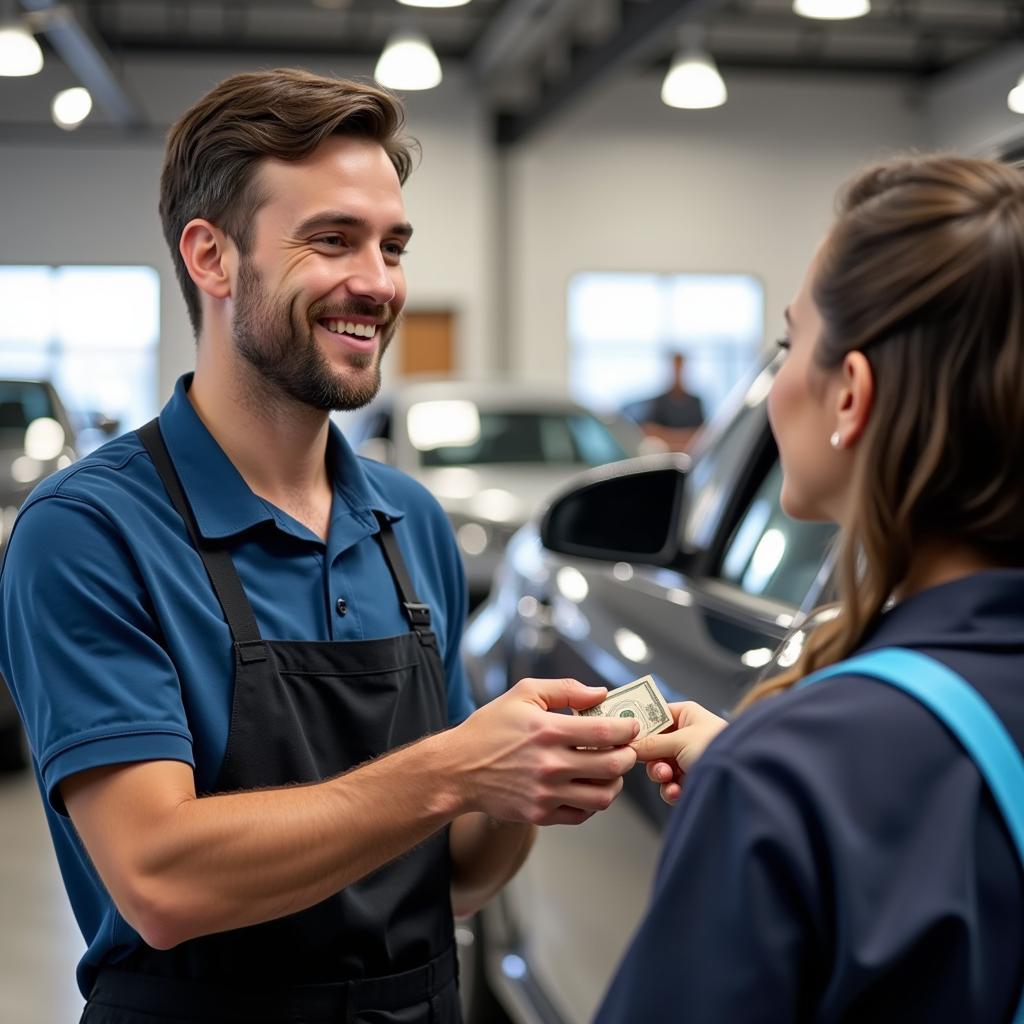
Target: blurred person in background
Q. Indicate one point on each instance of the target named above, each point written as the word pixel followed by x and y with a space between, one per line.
pixel 674 416
pixel 235 646
pixel 850 849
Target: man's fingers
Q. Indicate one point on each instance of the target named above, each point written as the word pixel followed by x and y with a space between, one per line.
pixel 566 816
pixel 599 764
pixel 597 732
pixel 560 694
pixel 590 796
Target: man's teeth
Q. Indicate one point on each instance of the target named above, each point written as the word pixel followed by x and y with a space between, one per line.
pixel 347 327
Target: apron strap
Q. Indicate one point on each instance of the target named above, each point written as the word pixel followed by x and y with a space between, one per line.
pixel 224 576
pixel 967 715
pixel 415 610
pixel 226 583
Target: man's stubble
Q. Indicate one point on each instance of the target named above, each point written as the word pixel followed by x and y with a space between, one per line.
pixel 285 355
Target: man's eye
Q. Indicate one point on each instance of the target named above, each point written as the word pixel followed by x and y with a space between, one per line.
pixel 395 249
pixel 332 240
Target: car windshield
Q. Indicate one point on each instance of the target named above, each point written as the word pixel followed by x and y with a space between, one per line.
pixel 21 402
pixel 483 436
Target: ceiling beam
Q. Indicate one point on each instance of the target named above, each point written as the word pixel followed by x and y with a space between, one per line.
pixel 505 33
pixel 640 24
pixel 87 58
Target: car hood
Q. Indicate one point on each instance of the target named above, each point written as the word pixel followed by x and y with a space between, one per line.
pixel 495 493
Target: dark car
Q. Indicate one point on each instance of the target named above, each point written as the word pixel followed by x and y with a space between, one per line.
pixel 687 571
pixel 36 438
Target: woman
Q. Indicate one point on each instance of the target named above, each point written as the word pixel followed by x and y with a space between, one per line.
pixel 836 855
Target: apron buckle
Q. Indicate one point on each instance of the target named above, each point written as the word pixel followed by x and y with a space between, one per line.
pixel 418 614
pixel 250 651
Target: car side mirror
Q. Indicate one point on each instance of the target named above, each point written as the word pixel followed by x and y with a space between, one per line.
pixel 380 449
pixel 627 511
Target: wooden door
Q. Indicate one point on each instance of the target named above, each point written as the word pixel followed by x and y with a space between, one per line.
pixel 426 344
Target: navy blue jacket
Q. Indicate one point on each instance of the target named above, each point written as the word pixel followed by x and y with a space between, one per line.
pixel 835 855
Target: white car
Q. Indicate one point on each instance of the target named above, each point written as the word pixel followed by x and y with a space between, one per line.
pixel 491 453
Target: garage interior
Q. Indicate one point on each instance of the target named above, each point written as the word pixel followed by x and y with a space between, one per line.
pixel 547 153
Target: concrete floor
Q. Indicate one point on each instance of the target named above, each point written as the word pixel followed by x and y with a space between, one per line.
pixel 39 941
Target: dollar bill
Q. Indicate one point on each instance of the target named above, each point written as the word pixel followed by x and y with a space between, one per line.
pixel 640 699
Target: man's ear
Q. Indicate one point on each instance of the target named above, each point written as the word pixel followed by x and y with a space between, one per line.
pixel 210 257
pixel 855 398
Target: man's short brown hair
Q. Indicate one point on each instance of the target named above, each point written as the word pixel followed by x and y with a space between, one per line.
pixel 215 147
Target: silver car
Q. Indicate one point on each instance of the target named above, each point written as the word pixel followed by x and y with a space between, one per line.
pixel 490 453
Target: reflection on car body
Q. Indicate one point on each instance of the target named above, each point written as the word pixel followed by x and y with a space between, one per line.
pixel 691 573
pixel 36 438
pixel 490 454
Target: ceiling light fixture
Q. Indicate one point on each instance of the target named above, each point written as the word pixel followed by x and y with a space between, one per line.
pixel 19 52
pixel 693 81
pixel 1015 100
pixel 71 107
pixel 832 10
pixel 408 62
pixel 434 3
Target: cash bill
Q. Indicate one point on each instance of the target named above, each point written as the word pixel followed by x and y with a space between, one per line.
pixel 640 699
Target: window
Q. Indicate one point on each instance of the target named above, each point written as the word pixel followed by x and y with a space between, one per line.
pixel 529 437
pixel 623 327
pixel 769 554
pixel 713 476
pixel 91 331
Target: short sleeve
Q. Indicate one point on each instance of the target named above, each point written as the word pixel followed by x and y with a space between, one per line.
pixel 80 649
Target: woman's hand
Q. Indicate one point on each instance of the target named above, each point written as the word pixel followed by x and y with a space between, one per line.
pixel 670 755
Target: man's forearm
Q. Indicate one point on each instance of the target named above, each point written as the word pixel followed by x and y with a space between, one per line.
pixel 191 866
pixel 485 855
pixel 178 866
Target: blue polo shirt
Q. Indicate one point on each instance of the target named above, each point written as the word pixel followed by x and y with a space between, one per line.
pixel 113 642
pixel 836 856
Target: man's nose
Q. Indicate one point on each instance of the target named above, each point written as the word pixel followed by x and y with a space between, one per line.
pixel 371 277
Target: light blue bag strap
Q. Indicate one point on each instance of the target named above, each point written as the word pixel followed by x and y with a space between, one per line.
pixel 965 713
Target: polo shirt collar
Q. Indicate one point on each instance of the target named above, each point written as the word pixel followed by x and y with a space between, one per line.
pixel 985 609
pixel 223 503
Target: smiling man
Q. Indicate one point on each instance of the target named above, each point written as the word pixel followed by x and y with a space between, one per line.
pixel 235 645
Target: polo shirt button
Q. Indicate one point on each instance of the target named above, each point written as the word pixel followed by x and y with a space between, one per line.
pixel 341 606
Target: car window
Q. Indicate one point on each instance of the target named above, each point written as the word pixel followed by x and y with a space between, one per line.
pixel 769 554
pixel 531 437
pixel 712 477
pixel 21 402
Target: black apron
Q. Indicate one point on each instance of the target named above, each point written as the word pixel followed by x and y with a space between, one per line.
pixel 382 950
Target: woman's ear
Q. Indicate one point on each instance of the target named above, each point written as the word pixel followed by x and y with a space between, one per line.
pixel 855 397
pixel 209 257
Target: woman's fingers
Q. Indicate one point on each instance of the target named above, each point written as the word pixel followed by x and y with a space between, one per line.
pixel 671 792
pixel 661 771
pixel 663 747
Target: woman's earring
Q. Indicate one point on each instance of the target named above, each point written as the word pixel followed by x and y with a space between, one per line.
pixel 835 440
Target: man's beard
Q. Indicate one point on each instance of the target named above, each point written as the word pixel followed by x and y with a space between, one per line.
pixel 285 353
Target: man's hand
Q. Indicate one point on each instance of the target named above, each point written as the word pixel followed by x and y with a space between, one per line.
pixel 670 755
pixel 521 762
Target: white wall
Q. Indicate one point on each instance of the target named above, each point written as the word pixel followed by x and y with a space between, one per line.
pixel 64 201
pixel 618 182
pixel 626 183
